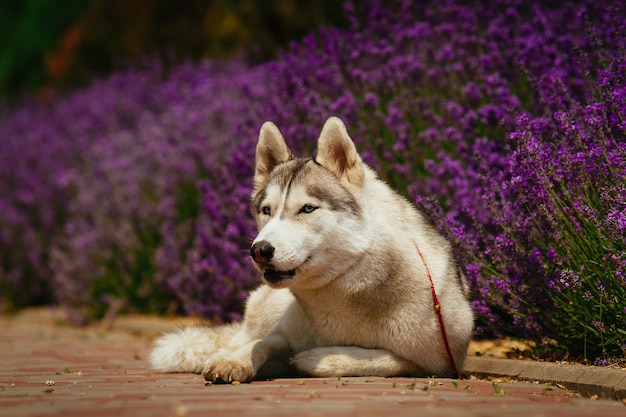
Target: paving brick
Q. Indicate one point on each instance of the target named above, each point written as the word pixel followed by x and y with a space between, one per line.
pixel 47 369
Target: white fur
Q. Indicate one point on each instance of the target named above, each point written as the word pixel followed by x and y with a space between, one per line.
pixel 359 301
pixel 179 351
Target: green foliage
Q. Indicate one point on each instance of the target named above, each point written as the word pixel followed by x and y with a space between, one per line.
pixel 52 44
pixel 30 31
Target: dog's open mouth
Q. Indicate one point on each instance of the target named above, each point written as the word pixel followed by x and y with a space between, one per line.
pixel 274 277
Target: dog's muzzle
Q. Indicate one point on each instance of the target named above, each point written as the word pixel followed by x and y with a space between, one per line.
pixel 262 253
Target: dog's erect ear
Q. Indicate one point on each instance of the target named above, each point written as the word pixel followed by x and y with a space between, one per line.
pixel 336 151
pixel 271 150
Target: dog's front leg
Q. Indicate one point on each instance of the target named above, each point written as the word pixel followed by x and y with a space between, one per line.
pixel 244 363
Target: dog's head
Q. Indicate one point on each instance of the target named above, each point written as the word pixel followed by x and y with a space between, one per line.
pixel 310 221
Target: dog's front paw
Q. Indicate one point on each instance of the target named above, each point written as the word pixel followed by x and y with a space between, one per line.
pixel 228 370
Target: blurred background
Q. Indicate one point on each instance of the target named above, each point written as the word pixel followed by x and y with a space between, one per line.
pixel 58 45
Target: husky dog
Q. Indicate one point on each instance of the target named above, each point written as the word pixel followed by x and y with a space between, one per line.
pixel 356 282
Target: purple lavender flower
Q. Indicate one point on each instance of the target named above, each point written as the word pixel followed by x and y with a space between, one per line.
pixel 505 124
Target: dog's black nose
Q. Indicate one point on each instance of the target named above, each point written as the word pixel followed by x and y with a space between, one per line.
pixel 262 252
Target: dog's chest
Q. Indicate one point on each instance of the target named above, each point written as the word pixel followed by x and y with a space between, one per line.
pixel 342 323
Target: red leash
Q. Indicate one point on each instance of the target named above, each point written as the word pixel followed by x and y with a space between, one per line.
pixel 437 307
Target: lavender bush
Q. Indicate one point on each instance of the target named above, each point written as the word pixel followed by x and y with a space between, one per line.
pixel 546 244
pixel 505 124
pixel 109 204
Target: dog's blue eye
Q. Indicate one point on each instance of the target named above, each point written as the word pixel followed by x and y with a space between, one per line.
pixel 308 208
pixel 266 210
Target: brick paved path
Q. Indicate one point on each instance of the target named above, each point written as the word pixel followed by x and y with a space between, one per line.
pixel 51 370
